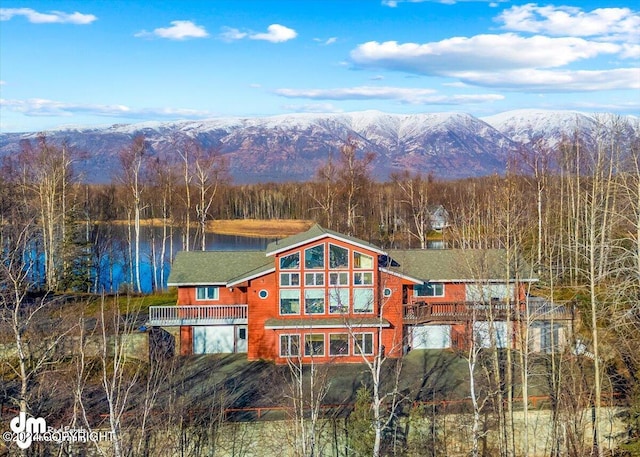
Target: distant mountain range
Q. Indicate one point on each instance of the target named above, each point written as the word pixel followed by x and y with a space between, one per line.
pixel 292 147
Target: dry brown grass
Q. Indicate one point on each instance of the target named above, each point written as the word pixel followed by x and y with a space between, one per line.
pixel 259 228
pixel 271 228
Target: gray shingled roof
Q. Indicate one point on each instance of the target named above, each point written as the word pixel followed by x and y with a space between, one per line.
pixel 455 264
pixel 315 232
pixel 216 267
pixel 224 267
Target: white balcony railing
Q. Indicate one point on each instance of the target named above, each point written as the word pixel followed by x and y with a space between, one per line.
pixel 197 315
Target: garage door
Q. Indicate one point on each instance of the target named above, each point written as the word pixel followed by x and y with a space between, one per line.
pixel 432 337
pixel 213 339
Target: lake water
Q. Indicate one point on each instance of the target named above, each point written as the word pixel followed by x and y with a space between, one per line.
pixel 114 274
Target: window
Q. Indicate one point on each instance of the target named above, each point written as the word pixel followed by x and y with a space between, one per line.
pixel 339 279
pixel 264 293
pixel 289 279
pixel 290 262
pixel 290 301
pixel 314 257
pixel 314 301
pixel 339 300
pixel 338 257
pixel 289 345
pixel 386 292
pixel 339 344
pixel 429 289
pixel 207 293
pixel 362 261
pixel 363 278
pixel 314 345
pixel 314 279
pixel 363 344
pixel 363 300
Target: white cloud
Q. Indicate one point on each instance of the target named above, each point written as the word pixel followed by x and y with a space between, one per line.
pixel 489 52
pixel 43 107
pixel 231 34
pixel 52 17
pixel 326 42
pixel 411 96
pixel 276 33
pixel 179 30
pixel 572 21
pixel 630 51
pixel 532 80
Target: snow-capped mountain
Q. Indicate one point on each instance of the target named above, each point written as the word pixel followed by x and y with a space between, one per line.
pixel 548 129
pixel 293 147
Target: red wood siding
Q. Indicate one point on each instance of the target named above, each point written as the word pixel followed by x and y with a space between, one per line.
pixel 186 340
pixel 261 342
pixel 226 296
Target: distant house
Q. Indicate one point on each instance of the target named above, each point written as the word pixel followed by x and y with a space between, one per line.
pixel 333 297
pixel 438 217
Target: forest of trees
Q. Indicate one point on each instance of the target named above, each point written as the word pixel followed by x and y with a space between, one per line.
pixel 573 213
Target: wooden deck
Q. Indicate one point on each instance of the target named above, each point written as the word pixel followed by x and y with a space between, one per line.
pixel 197 315
pixel 420 312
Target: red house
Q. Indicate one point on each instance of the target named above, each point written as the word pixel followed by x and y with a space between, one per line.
pixel 332 297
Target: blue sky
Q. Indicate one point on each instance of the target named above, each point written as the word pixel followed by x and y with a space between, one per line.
pixel 103 62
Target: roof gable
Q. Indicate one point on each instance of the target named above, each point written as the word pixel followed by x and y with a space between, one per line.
pixel 316 233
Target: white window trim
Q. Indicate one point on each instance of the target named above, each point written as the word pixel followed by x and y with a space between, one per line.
pixel 358 344
pixel 324 345
pixel 288 336
pixel 415 291
pixel 289 274
pixel 372 304
pixel 290 269
pixel 336 290
pixel 206 288
pixel 324 255
pixel 338 273
pixel 362 273
pixel 324 302
pixel 329 260
pixel 344 354
pixel 315 274
pixel 363 255
pixel 300 303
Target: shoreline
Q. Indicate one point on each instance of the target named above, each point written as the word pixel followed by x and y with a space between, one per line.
pixel 253 228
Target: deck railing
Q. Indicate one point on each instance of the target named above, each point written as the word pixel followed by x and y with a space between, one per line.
pixel 421 311
pixel 197 315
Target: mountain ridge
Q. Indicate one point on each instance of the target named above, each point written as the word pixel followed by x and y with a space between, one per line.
pixel 291 147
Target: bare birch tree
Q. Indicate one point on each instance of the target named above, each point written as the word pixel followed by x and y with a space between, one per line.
pixel 133 160
pixel 415 196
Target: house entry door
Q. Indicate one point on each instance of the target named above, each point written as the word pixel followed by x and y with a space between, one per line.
pixel 241 338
